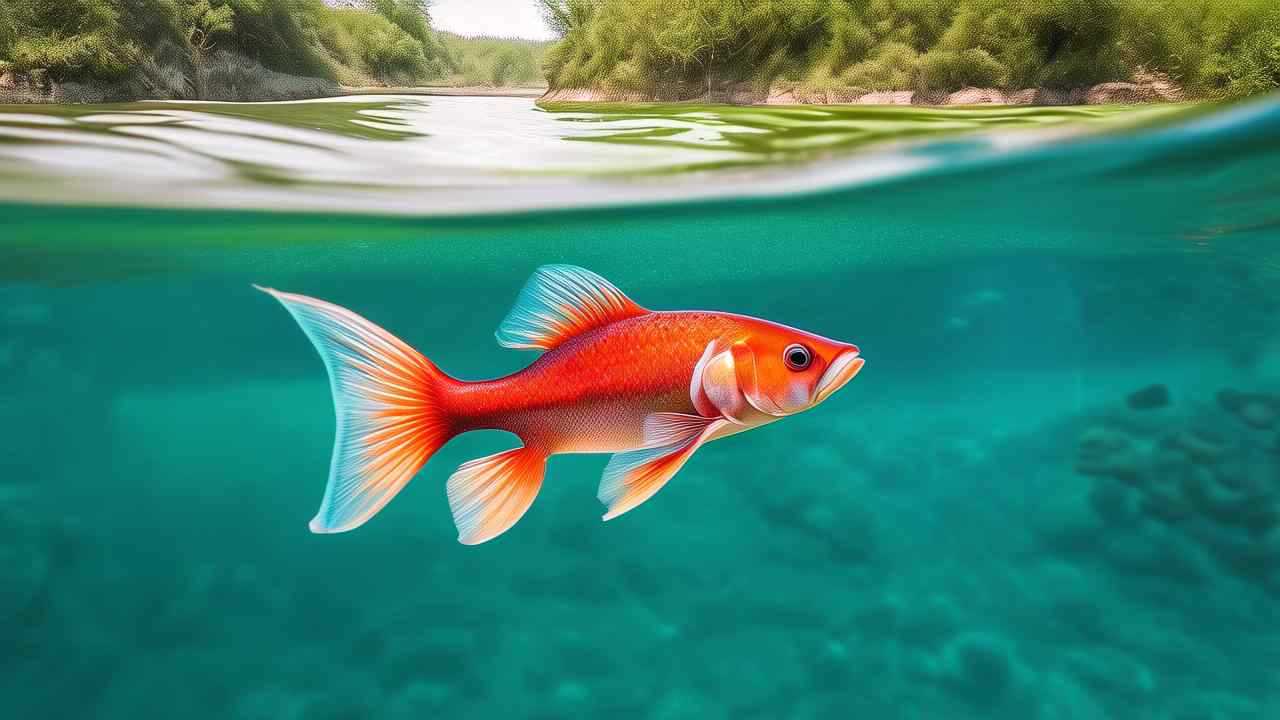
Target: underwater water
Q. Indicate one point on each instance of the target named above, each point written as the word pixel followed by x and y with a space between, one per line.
pixel 1052 493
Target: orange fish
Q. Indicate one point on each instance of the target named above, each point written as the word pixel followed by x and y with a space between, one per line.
pixel 649 386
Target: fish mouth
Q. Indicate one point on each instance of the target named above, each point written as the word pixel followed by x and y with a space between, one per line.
pixel 842 369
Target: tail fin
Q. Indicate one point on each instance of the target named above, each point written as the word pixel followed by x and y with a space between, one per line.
pixel 385 395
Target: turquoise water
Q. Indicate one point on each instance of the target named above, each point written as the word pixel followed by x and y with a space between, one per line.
pixel 986 523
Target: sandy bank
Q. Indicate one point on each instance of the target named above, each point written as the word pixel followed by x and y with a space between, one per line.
pixel 1145 90
pixel 466 91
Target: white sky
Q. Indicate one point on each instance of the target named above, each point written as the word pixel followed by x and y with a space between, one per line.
pixel 503 18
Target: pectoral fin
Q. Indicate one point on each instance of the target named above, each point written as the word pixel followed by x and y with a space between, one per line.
pixel 633 477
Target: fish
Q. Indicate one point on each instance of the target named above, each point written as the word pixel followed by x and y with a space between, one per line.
pixel 648 386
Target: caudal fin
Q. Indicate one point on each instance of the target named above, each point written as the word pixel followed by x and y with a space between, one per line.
pixel 386 398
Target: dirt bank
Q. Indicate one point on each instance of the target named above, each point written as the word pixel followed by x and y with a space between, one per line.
pixel 465 91
pixel 1148 89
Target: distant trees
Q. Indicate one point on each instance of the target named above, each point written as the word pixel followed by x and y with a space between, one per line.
pixel 498 62
pixel 1213 47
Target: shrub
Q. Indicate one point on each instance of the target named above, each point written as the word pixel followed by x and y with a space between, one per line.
pixel 894 67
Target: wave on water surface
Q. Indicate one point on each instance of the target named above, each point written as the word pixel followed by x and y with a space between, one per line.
pixel 449 156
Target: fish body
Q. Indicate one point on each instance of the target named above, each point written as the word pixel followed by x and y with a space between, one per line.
pixel 649 386
pixel 592 394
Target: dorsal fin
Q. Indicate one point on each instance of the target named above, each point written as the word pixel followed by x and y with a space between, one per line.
pixel 559 302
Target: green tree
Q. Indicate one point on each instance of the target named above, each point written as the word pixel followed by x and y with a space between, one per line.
pixel 202 24
pixel 564 16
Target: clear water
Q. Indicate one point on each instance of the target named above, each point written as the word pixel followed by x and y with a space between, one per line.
pixel 979 526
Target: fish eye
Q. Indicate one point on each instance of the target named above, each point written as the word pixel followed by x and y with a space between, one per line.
pixel 797 357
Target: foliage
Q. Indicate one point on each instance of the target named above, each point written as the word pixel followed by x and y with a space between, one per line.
pixel 378 46
pixel 155 43
pixel 1255 65
pixel 562 16
pixel 1213 47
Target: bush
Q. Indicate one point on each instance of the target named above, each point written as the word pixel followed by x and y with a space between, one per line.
pixel 952 70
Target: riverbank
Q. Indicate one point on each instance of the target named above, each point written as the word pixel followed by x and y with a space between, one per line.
pixel 248 83
pixel 449 91
pixel 1151 89
pixel 252 83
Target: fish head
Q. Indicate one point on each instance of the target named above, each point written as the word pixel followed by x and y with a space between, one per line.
pixel 769 371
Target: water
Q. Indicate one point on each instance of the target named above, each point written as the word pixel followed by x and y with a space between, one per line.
pixel 978 526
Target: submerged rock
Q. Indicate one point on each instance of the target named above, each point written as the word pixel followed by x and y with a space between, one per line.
pixel 1217 706
pixel 1214 486
pixel 1254 409
pixel 687 705
pixel 1149 398
pixel 1111 502
pixel 422 699
pixel 1200 445
pixel 1109 452
pixel 1111 672
pixel 25 557
pixel 979 667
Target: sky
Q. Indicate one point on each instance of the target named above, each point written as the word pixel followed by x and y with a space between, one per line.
pixel 505 18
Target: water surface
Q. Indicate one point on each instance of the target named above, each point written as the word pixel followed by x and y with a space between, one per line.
pixel 442 155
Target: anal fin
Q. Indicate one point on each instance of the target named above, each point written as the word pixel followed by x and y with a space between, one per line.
pixel 490 494
pixel 635 476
